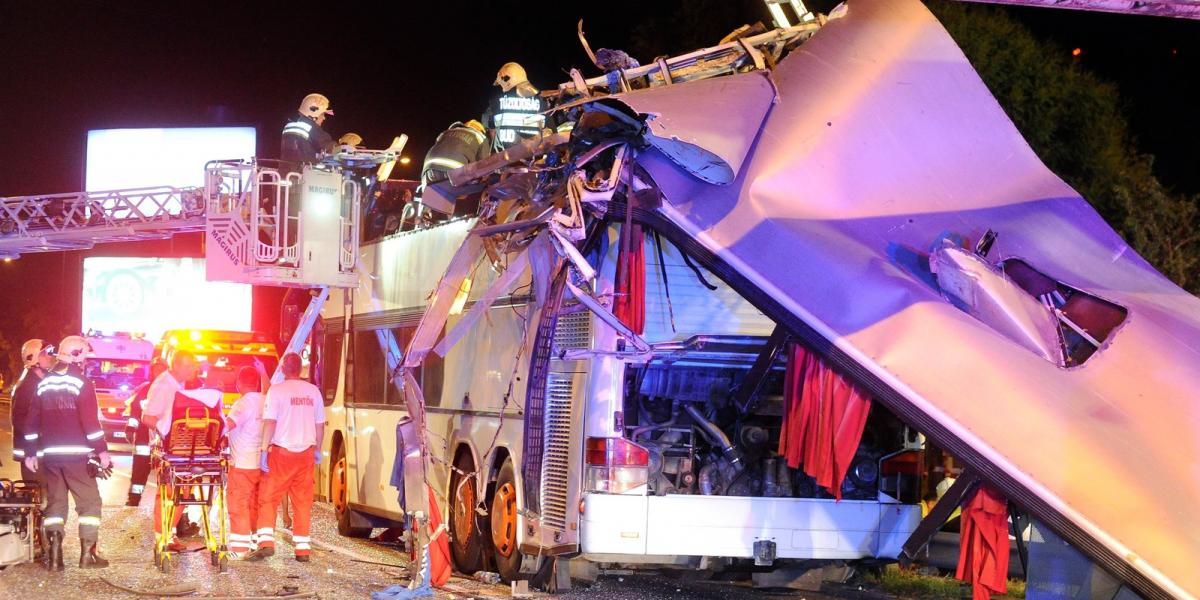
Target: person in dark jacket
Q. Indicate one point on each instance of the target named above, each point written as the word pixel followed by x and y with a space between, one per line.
pixel 303 138
pixel 514 114
pixel 62 434
pixel 37 357
pixel 461 144
pixel 138 434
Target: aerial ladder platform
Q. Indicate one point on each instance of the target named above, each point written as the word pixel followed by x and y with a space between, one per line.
pixel 265 222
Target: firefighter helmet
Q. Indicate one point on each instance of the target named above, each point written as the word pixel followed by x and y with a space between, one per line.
pixel 73 349
pixel 510 76
pixel 315 105
pixel 31 349
pixel 350 139
pixel 476 125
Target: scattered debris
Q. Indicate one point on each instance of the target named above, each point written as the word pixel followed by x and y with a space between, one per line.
pixel 183 589
pixel 486 577
pixel 520 589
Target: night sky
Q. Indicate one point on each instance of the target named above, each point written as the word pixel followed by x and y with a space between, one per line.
pixel 410 67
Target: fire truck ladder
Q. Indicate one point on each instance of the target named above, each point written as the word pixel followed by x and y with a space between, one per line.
pixel 80 220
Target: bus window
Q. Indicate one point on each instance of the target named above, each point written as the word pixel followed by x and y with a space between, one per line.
pixel 370 371
pixel 330 358
pixel 429 375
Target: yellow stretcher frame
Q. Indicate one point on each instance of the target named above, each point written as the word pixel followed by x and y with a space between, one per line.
pixel 192 471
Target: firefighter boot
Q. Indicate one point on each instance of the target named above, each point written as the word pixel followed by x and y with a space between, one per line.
pixel 133 499
pixel 89 557
pixel 54 559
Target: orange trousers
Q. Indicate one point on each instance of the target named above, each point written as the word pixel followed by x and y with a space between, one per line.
pixel 242 495
pixel 158 510
pixel 291 474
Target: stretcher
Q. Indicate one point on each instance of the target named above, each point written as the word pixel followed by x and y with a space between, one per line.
pixel 192 466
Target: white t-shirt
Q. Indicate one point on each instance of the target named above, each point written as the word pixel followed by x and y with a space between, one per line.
pixel 297 408
pixel 245 441
pixel 160 399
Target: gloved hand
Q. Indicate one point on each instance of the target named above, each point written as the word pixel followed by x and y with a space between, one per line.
pixel 262 462
pixel 317 456
pixel 31 463
pixel 105 460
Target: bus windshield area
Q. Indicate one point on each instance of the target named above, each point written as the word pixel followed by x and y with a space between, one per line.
pixel 115 373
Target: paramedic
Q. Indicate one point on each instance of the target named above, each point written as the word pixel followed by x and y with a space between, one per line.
pixel 293 427
pixel 245 444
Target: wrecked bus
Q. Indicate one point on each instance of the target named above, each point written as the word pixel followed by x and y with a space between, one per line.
pixel 649 462
pixel 866 199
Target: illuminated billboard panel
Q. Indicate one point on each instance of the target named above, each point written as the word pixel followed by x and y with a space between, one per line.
pixel 152 295
pixel 119 159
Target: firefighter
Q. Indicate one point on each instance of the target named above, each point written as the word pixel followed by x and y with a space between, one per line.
pixel 350 139
pixel 293 427
pixel 37 357
pixel 303 138
pixel 138 434
pixel 62 431
pixel 461 144
pixel 515 113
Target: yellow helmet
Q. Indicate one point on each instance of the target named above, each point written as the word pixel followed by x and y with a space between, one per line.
pixel 315 105
pixel 510 76
pixel 476 125
pixel 73 349
pixel 30 351
pixel 350 139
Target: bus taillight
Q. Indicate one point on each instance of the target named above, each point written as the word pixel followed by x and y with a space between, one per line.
pixel 615 466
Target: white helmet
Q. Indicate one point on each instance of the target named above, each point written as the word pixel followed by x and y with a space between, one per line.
pixel 73 349
pixel 315 105
pixel 510 76
pixel 30 351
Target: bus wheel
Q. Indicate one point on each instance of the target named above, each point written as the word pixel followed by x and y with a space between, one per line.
pixel 339 494
pixel 504 524
pixel 466 541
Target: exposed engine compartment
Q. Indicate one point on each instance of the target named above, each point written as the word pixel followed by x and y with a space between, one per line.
pixel 680 407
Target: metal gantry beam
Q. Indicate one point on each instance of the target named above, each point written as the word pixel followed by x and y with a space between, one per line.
pixel 1179 9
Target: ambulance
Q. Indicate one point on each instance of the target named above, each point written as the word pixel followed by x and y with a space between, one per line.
pixel 117 364
pixel 221 355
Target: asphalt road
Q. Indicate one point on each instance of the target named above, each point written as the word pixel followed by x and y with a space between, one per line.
pixel 336 571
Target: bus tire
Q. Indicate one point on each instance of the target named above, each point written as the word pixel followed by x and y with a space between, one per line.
pixel 504 509
pixel 466 539
pixel 339 495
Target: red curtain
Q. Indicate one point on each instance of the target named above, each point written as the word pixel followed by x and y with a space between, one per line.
pixel 439 549
pixel 983 545
pixel 630 303
pixel 824 417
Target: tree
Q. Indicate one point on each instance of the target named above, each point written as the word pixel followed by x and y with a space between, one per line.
pixel 1074 122
pixel 1071 118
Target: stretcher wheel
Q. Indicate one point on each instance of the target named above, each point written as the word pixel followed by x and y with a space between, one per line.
pixel 157 558
pixel 165 565
pixel 214 557
pixel 223 566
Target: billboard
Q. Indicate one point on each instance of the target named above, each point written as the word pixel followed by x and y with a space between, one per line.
pixel 151 295
pixel 119 159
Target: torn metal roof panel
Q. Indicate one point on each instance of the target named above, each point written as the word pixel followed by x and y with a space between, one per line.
pixel 710 143
pixel 883 139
